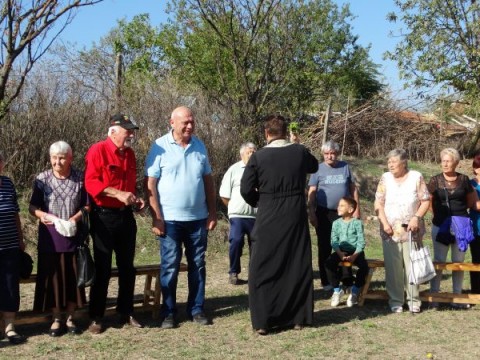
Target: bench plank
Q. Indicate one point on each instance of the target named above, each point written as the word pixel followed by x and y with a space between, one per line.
pixel 373 264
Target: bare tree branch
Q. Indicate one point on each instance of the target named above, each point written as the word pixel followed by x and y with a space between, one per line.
pixel 28 29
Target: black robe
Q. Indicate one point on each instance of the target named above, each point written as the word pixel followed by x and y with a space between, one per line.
pixel 280 277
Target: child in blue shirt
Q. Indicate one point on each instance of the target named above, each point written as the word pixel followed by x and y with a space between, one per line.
pixel 348 243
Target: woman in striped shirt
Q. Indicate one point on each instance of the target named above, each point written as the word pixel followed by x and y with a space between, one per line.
pixel 11 242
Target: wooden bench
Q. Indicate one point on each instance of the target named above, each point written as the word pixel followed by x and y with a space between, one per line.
pixel 149 300
pixel 444 297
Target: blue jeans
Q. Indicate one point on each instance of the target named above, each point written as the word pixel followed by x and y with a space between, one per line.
pixel 193 235
pixel 239 227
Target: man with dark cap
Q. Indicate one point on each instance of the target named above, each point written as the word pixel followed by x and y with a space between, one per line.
pixel 110 180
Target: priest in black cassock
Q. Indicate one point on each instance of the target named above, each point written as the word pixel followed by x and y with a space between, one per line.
pixel 280 277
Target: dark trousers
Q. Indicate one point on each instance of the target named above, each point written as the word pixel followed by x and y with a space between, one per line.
pixel 475 275
pixel 9 280
pixel 113 231
pixel 325 218
pixel 335 272
pixel 239 228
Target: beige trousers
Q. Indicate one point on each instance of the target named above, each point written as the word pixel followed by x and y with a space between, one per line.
pixel 397 270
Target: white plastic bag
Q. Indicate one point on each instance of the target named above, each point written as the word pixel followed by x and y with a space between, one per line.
pixel 421 265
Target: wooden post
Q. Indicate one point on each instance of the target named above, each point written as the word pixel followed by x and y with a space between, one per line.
pixel 118 82
pixel 327 118
pixel 345 127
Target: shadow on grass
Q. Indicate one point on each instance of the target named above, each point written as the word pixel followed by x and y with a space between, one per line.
pixel 343 314
pixel 215 307
pixel 226 305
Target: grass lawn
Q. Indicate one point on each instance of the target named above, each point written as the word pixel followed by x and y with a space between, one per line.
pixel 368 332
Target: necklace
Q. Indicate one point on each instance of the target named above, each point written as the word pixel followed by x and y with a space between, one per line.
pixel 450 179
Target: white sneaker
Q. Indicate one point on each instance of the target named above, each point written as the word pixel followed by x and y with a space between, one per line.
pixel 336 298
pixel 352 299
pixel 460 306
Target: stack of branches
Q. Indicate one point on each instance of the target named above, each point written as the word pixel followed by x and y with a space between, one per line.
pixel 372 130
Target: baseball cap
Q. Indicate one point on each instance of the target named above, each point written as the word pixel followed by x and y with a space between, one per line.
pixel 123 121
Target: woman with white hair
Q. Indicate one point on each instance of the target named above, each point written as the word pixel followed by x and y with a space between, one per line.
pixel 57 201
pixel 401 201
pixel 451 196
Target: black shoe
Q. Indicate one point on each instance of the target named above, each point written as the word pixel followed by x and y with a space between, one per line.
pixel 169 322
pixel 73 330
pixel 58 331
pixel 233 279
pixel 15 338
pixel 55 332
pixel 201 319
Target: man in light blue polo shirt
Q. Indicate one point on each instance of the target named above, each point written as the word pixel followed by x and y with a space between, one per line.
pixel 241 215
pixel 181 195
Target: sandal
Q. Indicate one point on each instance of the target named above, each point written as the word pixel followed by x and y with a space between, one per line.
pixel 72 327
pixel 56 331
pixel 15 338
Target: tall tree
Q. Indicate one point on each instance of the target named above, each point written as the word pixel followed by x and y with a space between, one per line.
pixel 28 29
pixel 139 44
pixel 439 44
pixel 259 56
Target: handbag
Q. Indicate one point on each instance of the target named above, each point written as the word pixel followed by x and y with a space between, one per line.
pixel 445 234
pixel 421 265
pixel 26 265
pixel 85 264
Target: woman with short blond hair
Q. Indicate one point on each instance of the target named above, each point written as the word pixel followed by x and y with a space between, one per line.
pixel 451 195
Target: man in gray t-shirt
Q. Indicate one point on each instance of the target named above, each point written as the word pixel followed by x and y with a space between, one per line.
pixel 327 186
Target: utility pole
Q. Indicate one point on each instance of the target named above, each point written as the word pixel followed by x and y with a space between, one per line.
pixel 327 118
pixel 345 127
pixel 118 82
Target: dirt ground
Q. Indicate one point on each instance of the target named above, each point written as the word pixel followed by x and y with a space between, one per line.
pixel 369 332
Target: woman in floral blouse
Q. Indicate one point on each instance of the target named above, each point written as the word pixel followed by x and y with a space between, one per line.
pixel 401 201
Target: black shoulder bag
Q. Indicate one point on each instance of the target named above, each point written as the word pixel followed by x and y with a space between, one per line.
pixel 85 264
pixel 26 265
